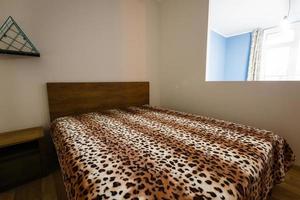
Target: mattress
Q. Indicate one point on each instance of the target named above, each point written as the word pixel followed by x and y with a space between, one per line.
pixel 153 153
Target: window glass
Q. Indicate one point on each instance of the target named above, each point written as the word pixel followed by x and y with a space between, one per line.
pixel 281 54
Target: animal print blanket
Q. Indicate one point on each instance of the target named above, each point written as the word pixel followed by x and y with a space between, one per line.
pixel 152 153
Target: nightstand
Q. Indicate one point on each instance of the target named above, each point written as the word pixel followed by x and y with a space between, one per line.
pixel 21 157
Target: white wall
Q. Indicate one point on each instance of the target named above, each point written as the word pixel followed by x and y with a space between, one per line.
pixel 95 40
pixel 268 105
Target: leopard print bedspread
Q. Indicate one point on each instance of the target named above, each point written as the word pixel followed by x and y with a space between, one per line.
pixel 153 153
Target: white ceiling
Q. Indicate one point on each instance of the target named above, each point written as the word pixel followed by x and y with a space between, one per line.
pixel 232 17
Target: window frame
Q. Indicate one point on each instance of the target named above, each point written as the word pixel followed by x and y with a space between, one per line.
pixel 293 55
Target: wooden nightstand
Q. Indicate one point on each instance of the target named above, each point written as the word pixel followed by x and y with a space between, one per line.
pixel 21 157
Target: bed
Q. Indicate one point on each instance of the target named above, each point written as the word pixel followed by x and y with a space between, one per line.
pixel 112 145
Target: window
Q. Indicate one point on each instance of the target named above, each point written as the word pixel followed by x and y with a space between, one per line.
pixel 281 54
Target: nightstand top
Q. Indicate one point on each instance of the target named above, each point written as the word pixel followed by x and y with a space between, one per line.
pixel 20 136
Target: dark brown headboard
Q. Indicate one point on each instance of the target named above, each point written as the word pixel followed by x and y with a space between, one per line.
pixel 77 98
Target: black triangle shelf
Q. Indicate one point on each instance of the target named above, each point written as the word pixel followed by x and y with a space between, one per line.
pixel 14 41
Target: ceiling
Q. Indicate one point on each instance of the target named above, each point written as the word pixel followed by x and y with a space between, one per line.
pixel 233 17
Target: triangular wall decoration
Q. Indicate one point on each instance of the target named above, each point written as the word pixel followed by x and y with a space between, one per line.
pixel 14 41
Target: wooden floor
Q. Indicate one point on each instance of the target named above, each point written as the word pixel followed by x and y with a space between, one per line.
pixel 51 188
pixel 48 188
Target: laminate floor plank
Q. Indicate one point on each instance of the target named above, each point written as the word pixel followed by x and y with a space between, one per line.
pixel 48 189
pixel 59 185
pixel 30 191
pixel 10 195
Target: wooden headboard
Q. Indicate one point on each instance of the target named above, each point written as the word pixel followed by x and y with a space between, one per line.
pixel 77 98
